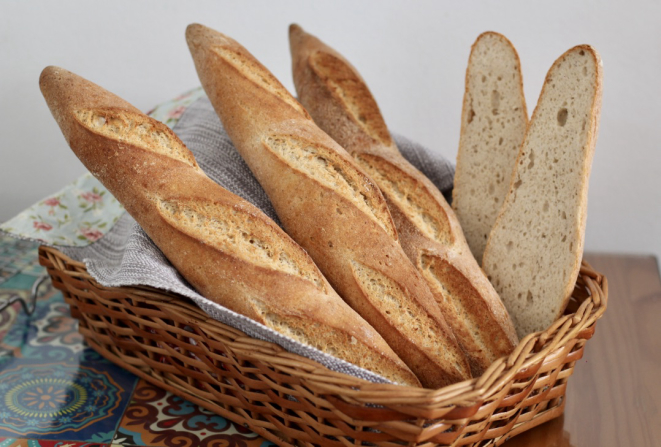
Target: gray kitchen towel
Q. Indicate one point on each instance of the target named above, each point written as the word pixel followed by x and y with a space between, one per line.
pixel 126 256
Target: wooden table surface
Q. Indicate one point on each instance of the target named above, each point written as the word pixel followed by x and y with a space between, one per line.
pixel 614 395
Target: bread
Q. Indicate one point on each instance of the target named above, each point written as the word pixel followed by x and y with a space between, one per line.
pixel 338 99
pixel 493 123
pixel 226 248
pixel 328 205
pixel 534 250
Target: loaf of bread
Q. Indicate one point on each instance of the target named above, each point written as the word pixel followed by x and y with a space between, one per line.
pixel 226 248
pixel 328 205
pixel 534 250
pixel 338 99
pixel 493 123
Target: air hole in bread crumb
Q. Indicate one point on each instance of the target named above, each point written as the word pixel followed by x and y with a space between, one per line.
pixel 495 102
pixel 562 117
pixel 509 246
pixel 500 141
pixel 517 184
pixel 484 78
pixel 529 297
pixel 582 53
pixel 471 115
pixel 546 206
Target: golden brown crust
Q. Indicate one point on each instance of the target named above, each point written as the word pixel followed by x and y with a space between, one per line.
pixel 226 248
pixel 343 222
pixel 429 231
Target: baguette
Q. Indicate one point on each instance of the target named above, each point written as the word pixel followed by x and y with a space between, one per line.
pixel 226 248
pixel 328 205
pixel 338 99
pixel 534 250
pixel 493 123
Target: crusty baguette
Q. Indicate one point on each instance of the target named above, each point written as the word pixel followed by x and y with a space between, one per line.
pixel 328 205
pixel 493 123
pixel 535 248
pixel 227 249
pixel 338 99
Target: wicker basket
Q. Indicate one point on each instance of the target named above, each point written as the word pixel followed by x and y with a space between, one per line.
pixel 290 400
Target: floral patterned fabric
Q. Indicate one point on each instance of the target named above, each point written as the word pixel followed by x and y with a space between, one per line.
pixel 83 211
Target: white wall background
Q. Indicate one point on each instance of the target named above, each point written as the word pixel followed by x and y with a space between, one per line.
pixel 413 55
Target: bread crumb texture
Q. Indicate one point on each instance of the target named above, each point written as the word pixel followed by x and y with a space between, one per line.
pixel 536 246
pixel 136 130
pixel 326 167
pixel 343 81
pixel 410 196
pixel 256 73
pixel 494 120
pixel 238 234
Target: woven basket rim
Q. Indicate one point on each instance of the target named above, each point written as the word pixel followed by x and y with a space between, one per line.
pixel 532 353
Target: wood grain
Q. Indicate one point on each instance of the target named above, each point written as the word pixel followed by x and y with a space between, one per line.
pixel 614 396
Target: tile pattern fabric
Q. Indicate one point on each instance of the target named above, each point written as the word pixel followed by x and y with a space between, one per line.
pixel 60 400
pixel 157 417
pixel 55 391
pixel 16 255
pixel 11 442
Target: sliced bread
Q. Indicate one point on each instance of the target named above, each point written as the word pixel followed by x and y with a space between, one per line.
pixel 534 250
pixel 493 123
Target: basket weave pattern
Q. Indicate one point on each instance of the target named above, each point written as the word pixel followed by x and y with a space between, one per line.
pixel 290 400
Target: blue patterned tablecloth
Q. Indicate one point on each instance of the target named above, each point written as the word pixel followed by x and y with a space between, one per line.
pixel 56 391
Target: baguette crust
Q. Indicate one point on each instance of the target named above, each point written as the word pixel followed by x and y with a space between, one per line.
pixel 493 124
pixel 339 100
pixel 534 251
pixel 330 206
pixel 222 245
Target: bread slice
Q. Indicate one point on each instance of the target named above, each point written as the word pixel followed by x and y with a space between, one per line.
pixel 340 102
pixel 534 251
pixel 225 247
pixel 328 204
pixel 493 123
